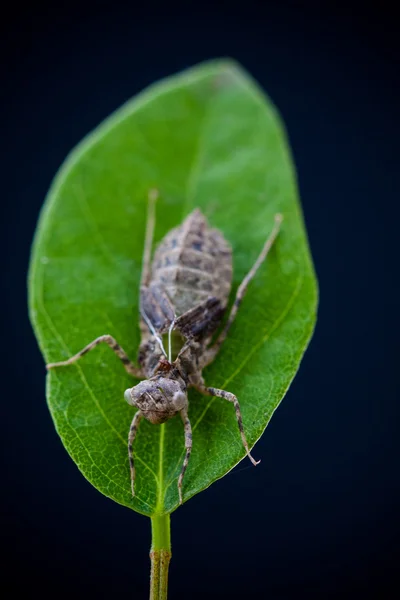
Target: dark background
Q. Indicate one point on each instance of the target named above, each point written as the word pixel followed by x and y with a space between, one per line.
pixel 320 517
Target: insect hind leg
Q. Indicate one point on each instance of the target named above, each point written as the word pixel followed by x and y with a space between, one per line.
pixel 148 243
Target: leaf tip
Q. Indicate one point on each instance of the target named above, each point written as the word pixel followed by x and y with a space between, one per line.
pixel 229 70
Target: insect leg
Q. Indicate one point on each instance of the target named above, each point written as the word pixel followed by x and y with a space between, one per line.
pixel 132 434
pixel 211 353
pixel 110 341
pixel 188 446
pixel 210 391
pixel 148 243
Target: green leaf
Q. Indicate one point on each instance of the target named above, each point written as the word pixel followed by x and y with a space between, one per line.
pixel 210 138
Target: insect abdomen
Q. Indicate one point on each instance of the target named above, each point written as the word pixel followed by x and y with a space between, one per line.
pixel 192 263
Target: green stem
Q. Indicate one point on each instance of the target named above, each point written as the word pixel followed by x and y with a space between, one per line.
pixel 160 555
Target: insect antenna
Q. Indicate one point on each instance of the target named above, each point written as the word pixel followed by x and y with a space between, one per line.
pixel 171 327
pixel 153 331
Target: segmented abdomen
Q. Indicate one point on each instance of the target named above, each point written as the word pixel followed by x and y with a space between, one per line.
pixel 192 263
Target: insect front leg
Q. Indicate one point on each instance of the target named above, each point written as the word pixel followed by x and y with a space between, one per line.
pixel 130 367
pixel 131 438
pixel 210 391
pixel 188 446
pixel 211 353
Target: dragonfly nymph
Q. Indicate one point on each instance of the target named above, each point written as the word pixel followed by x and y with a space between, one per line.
pixel 184 293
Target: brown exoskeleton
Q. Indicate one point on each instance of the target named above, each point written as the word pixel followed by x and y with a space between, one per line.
pixel 183 295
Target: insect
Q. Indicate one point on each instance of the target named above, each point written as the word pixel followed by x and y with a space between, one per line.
pixel 184 293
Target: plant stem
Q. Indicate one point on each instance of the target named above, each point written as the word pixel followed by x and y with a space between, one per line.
pixel 160 555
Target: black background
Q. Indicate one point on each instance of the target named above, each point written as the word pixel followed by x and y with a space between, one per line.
pixel 319 518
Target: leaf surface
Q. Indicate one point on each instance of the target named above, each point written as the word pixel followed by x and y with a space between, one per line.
pixel 207 137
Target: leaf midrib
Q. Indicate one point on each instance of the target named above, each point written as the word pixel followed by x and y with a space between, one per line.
pixel 192 183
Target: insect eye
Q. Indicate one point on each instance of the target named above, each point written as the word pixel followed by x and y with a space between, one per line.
pixel 127 396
